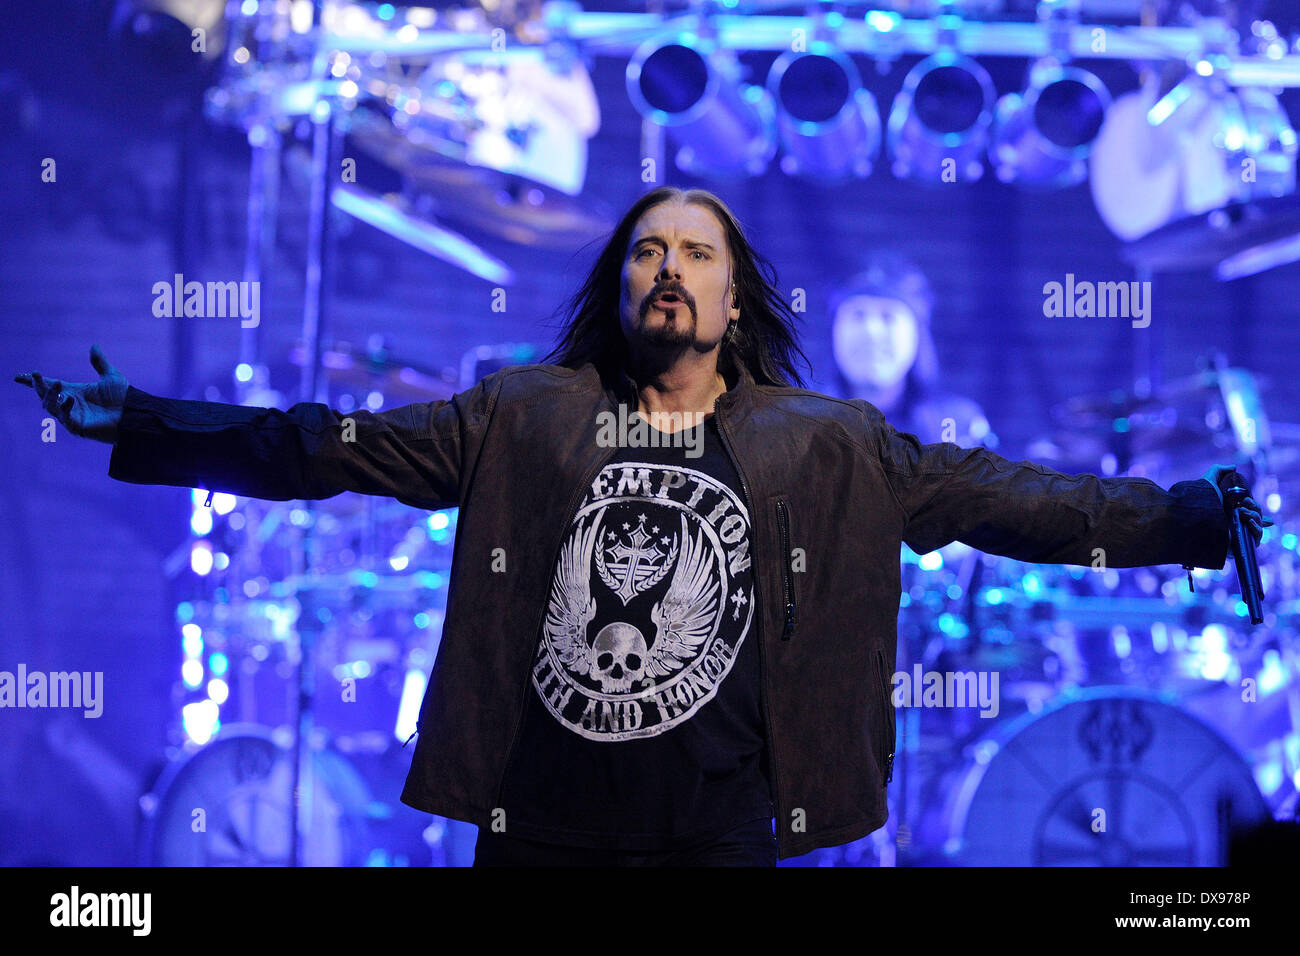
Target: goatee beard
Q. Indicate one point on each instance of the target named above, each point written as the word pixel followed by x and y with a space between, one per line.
pixel 679 332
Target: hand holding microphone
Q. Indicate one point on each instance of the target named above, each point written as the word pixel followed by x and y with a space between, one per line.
pixel 1244 515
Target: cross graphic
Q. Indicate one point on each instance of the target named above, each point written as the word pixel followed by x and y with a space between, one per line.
pixel 738 598
pixel 633 557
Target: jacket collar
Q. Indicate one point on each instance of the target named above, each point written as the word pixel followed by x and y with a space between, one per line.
pixel 740 383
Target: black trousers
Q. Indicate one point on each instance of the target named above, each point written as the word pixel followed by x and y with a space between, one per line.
pixel 750 844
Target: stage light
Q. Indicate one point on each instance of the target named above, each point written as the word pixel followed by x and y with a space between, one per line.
pixel 201 558
pixel 1215 659
pixel 201 520
pixel 408 708
pixel 939 122
pixel 723 128
pixel 828 123
pixel 192 639
pixel 1043 136
pixel 1273 675
pixel 218 691
pixel 1159 637
pixel 409 547
pixel 1269 775
pixel 192 673
pixel 201 720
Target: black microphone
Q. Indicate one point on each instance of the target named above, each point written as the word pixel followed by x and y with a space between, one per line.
pixel 1243 545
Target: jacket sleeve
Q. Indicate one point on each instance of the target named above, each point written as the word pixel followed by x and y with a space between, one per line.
pixel 418 454
pixel 1031 513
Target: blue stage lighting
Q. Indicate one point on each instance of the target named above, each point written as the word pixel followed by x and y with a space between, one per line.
pixel 1043 136
pixel 939 123
pixel 723 128
pixel 829 124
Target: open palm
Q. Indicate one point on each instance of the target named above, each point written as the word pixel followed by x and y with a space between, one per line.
pixel 87 409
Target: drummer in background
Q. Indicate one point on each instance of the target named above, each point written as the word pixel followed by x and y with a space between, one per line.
pixel 885 354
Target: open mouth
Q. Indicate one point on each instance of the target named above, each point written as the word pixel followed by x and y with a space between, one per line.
pixel 668 299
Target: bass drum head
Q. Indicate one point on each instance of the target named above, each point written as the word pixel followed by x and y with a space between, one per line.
pixel 228 805
pixel 1110 776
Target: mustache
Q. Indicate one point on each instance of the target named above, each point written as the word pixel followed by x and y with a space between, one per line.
pixel 675 289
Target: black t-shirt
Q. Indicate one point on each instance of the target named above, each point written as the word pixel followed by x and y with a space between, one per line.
pixel 643 729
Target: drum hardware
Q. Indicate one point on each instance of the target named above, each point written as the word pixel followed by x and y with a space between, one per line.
pixel 368 631
pixel 399 217
pixel 1172 431
pixel 1061 635
pixel 533 222
pixel 227 804
pixel 329 607
pixel 1110 776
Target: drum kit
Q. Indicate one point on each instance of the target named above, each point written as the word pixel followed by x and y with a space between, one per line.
pixel 315 624
pixel 1137 720
pixel 354 588
pixel 1127 704
pixel 484 135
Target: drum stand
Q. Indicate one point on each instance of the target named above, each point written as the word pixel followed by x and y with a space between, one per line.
pixel 324 148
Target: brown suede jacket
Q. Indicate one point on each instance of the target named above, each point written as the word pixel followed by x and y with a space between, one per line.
pixel 831 477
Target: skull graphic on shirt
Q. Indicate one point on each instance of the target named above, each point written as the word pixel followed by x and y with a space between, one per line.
pixel 650 601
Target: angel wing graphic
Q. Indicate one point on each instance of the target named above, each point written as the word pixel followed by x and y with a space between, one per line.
pixel 684 617
pixel 572 607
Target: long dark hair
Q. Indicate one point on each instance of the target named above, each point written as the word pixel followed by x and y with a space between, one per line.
pixel 763 341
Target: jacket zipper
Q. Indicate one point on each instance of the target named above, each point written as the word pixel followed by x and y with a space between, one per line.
pixel 888 720
pixel 783 522
pixel 762 654
pixel 537 627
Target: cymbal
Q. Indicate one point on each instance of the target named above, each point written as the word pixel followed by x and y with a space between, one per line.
pixel 1213 239
pixel 374 133
pixel 1090 411
pixel 1167 434
pixel 397 381
pixel 346 371
pixel 1069 451
pixel 496 203
pixel 512 208
pixel 1102 408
